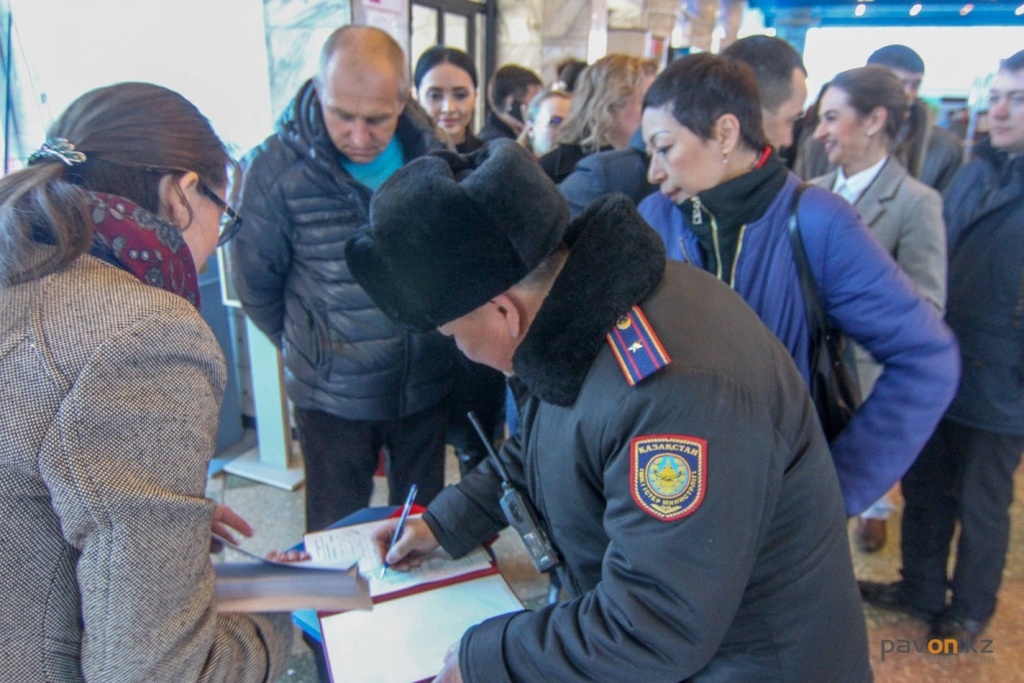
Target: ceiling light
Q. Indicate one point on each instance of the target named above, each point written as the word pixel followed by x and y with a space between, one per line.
pixel 915 10
pixel 966 9
pixel 859 12
pixel 1019 11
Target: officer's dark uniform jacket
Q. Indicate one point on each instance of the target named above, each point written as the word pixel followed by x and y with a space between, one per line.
pixel 750 578
pixel 342 355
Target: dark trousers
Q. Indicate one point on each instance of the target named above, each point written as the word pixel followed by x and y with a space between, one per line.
pixel 342 455
pixel 966 475
pixel 482 390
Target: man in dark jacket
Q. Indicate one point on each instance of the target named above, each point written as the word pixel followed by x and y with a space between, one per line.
pixel 965 472
pixel 667 441
pixel 357 381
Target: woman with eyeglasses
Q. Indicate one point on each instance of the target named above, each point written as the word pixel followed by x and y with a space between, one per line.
pixel 605 112
pixel 446 86
pixel 110 386
pixel 547 112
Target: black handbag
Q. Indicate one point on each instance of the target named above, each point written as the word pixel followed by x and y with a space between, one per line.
pixel 834 387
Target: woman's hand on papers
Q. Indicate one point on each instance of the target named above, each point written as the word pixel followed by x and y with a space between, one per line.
pixel 225 520
pixel 450 671
pixel 417 540
pixel 288 556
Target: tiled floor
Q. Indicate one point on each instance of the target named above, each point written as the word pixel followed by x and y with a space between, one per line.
pixel 1004 660
pixel 277 517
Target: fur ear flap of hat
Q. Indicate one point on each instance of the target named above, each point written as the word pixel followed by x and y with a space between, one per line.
pixel 448 232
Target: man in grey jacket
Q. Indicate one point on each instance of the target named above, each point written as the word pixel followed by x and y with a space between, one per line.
pixel 358 382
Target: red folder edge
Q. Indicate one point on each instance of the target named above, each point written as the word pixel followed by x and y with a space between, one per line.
pixel 419 509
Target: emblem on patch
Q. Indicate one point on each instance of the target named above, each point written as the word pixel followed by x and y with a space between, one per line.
pixel 668 474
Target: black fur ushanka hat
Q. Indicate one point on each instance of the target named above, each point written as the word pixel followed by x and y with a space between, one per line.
pixel 448 232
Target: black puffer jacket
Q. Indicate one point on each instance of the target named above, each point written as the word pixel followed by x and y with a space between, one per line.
pixel 342 355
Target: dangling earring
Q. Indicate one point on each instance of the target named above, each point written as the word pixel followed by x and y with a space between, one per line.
pixel 725 157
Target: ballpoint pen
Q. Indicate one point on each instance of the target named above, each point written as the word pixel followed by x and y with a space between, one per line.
pixel 401 524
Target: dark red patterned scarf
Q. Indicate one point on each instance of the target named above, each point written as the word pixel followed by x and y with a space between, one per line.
pixel 140 242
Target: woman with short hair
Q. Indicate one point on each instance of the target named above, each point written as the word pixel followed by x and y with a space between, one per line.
pixel 726 204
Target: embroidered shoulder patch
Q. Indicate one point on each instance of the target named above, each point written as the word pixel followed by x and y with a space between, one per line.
pixel 668 474
pixel 636 347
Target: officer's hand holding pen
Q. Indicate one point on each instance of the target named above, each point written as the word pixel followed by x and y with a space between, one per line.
pixel 416 541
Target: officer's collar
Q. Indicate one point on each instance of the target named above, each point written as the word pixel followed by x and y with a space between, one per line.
pixel 615 261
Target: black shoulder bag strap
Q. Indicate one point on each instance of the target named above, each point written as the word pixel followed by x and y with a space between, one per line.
pixel 812 299
pixel 833 386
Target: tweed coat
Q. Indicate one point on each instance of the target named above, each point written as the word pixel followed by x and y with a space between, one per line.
pixel 905 216
pixel 109 396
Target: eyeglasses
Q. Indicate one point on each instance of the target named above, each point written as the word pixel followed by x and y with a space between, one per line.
pixel 230 222
pixel 552 122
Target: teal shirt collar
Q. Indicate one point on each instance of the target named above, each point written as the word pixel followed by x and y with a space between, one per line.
pixel 374 173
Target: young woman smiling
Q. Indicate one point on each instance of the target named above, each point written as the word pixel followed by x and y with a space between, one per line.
pixel 446 86
pixel 860 115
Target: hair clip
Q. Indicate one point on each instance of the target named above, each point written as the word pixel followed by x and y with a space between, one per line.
pixel 57 148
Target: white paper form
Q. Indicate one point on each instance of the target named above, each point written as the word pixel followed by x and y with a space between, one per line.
pixel 345 545
pixel 405 640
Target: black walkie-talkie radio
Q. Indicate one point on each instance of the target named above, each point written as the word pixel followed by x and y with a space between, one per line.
pixel 519 511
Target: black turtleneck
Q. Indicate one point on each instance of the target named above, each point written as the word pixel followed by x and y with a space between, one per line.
pixel 732 205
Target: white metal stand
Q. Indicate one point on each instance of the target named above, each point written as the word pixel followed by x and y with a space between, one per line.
pixel 271 461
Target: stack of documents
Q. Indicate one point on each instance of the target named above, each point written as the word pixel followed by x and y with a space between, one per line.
pixel 270 586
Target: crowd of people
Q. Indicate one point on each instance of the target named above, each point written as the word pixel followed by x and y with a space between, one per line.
pixel 606 272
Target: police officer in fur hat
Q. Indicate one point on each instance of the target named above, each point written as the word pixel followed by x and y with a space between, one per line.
pixel 667 440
